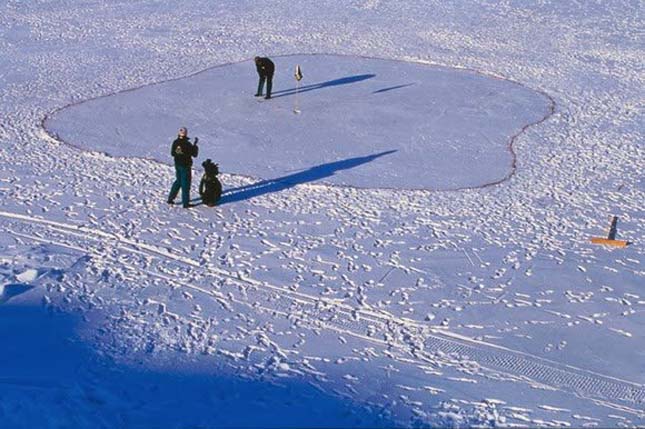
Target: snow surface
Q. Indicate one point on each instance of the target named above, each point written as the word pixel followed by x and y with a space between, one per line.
pixel 362 122
pixel 298 303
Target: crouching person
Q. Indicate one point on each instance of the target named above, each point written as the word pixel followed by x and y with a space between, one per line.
pixel 210 188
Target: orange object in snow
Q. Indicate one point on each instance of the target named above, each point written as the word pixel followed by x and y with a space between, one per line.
pixel 611 236
pixel 608 242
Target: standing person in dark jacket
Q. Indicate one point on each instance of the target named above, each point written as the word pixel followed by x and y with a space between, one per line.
pixel 183 151
pixel 265 68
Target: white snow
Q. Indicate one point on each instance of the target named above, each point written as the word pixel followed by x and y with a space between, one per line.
pixel 335 287
pixel 28 275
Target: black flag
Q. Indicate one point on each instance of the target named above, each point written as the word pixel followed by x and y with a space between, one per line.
pixel 298 73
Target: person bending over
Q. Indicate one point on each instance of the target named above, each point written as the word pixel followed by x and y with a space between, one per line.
pixel 265 68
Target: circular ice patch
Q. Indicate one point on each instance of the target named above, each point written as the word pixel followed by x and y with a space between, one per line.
pixel 363 122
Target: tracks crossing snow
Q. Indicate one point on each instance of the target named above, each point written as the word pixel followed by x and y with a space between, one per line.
pixel 422 341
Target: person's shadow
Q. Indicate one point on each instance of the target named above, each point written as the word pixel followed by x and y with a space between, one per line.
pixel 310 175
pixel 329 83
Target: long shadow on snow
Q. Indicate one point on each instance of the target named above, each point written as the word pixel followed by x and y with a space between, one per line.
pixel 310 175
pixel 329 83
pixel 391 88
pixel 50 377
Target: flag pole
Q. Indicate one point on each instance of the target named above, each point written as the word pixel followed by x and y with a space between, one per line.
pixel 295 108
pixel 298 76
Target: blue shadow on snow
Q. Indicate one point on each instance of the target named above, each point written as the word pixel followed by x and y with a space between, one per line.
pixel 310 175
pixel 50 377
pixel 321 85
pixel 14 289
pixel 391 88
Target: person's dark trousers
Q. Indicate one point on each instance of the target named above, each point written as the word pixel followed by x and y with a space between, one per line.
pixel 269 81
pixel 261 86
pixel 269 85
pixel 182 180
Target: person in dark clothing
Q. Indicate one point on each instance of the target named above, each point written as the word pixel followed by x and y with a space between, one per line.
pixel 265 68
pixel 210 188
pixel 183 151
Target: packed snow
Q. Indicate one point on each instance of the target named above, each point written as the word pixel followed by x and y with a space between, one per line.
pixel 361 122
pixel 409 249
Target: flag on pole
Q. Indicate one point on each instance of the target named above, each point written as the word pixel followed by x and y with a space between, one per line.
pixel 298 73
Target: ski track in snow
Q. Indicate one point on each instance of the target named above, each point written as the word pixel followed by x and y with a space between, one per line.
pixel 364 323
pixel 426 344
pixel 435 302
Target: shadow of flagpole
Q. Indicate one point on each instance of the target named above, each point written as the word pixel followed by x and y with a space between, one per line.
pixel 309 175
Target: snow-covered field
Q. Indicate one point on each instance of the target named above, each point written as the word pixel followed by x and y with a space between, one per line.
pixel 412 249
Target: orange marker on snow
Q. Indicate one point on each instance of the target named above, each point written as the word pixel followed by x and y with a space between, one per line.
pixel 611 236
